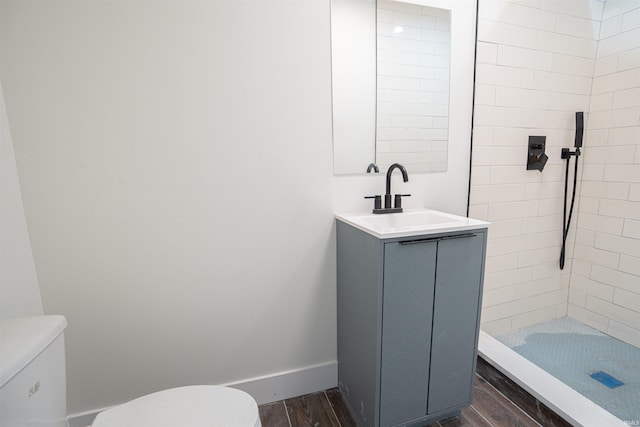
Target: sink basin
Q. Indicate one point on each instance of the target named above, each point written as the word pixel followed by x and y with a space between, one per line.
pixel 417 222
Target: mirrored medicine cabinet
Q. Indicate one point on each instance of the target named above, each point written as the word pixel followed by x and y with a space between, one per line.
pixel 390 82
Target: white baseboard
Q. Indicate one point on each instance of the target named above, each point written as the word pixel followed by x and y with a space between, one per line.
pixel 264 389
pixel 284 385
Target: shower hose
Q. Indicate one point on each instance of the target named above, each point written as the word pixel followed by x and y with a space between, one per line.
pixel 566 154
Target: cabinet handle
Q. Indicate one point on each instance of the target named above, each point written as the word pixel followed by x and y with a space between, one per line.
pixel 459 236
pixel 436 239
pixel 418 241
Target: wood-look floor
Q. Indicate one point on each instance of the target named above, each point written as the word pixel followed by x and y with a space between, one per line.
pixel 490 408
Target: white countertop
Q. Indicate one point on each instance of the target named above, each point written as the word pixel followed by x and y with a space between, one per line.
pixel 411 222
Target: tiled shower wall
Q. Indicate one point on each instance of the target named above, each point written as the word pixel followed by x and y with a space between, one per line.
pixel 605 279
pixel 535 69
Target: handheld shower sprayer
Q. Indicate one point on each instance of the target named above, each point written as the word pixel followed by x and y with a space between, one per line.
pixel 579 129
pixel 566 154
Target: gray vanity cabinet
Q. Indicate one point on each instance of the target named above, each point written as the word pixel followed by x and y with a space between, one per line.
pixel 408 322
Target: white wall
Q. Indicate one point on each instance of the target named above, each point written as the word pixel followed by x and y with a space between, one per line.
pixel 176 169
pixel 19 292
pixel 175 161
pixel 534 70
pixel 605 280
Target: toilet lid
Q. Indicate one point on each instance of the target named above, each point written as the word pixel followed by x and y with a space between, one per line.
pixel 193 406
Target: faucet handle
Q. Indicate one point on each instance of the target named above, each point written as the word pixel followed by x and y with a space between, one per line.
pixel 397 202
pixel 377 203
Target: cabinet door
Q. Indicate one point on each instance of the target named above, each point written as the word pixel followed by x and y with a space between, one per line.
pixel 455 321
pixel 409 275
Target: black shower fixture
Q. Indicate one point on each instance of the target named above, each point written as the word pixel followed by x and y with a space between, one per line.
pixel 579 129
pixel 536 158
pixel 566 154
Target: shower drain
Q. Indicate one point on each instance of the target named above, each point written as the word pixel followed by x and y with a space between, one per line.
pixel 606 379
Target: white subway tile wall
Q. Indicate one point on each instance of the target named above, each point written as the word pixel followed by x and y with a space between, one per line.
pixel 414 44
pixel 538 62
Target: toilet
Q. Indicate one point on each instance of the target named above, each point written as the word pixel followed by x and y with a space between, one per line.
pixel 33 388
pixel 185 406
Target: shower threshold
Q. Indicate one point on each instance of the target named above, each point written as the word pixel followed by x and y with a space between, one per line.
pixel 573 407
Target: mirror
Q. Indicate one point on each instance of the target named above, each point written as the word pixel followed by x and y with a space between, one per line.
pixel 390 82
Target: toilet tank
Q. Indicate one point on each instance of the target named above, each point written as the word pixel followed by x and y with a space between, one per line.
pixel 32 372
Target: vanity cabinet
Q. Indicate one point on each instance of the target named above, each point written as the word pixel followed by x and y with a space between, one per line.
pixel 408 322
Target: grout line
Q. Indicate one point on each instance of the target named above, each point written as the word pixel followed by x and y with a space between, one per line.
pixel 286 411
pixel 332 409
pixel 473 407
pixel 511 401
pixel 481 416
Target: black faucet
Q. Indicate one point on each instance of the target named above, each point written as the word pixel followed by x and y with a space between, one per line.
pixel 405 178
pixel 387 197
